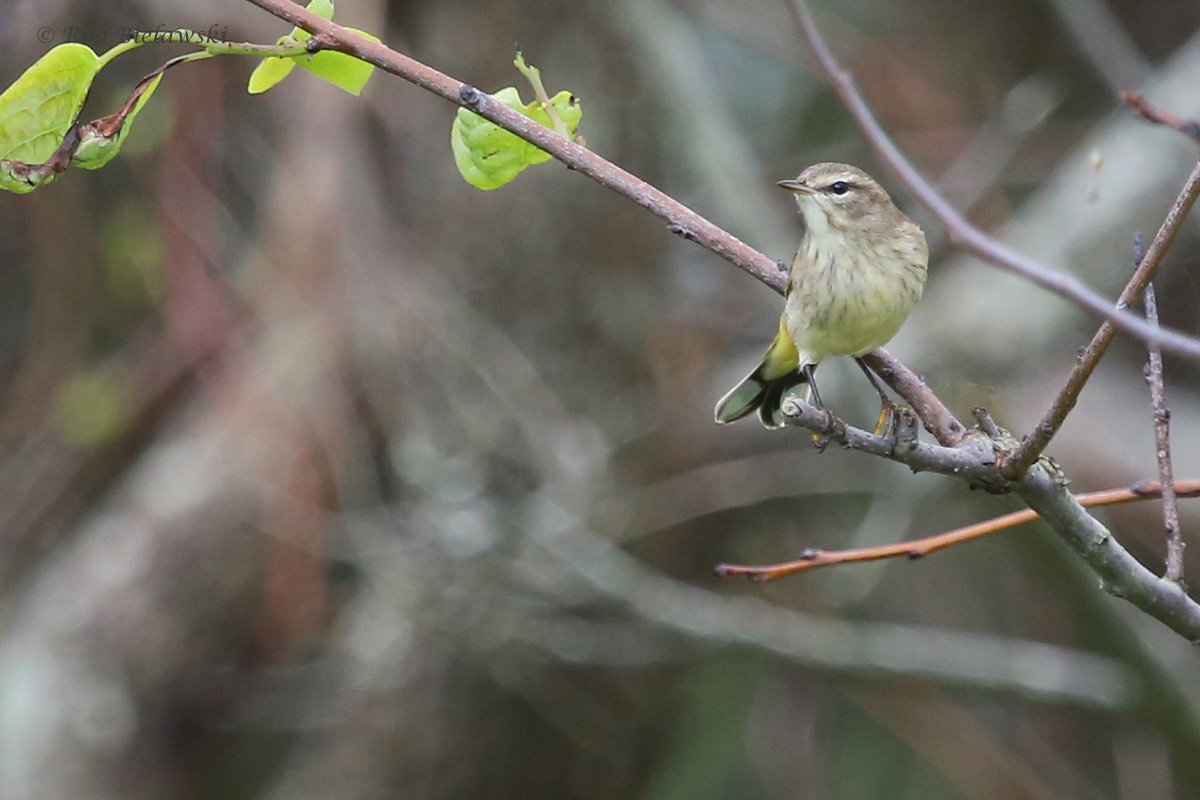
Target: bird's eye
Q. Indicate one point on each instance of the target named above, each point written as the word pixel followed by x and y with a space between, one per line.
pixel 840 187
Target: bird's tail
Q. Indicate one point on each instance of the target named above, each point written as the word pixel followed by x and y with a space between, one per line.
pixel 763 389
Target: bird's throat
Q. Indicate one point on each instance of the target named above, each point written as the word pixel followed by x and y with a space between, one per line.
pixel 816 221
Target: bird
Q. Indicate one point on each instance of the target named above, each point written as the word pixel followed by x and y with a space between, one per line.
pixel 859 271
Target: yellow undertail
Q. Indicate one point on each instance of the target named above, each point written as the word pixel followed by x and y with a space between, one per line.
pixel 763 389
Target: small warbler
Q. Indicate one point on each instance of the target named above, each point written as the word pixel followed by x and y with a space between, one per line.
pixel 858 273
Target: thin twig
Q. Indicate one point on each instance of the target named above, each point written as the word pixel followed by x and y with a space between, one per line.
pixel 813 558
pixel 1163 117
pixel 983 419
pixel 1162 449
pixel 1032 445
pixel 962 233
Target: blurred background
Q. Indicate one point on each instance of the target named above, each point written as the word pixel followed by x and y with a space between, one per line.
pixel 323 474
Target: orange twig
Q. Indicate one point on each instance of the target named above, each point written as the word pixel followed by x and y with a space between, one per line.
pixel 813 558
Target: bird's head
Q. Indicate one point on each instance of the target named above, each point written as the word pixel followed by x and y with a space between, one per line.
pixel 840 197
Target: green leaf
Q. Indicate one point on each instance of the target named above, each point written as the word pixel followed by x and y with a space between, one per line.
pixel 488 156
pixel 322 8
pixel 269 72
pixel 39 107
pixel 343 71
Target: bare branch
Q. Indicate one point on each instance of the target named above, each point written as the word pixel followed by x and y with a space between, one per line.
pixel 1033 444
pixel 962 233
pixel 918 548
pixel 1162 449
pixel 972 459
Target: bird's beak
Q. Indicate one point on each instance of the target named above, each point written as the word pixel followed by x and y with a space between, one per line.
pixel 793 185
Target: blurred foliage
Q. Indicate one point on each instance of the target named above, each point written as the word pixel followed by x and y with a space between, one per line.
pixel 328 475
pixel 89 410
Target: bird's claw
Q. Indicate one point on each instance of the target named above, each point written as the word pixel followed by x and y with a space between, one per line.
pixel 888 413
pixel 821 440
pixel 892 422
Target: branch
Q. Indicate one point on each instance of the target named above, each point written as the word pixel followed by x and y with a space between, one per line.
pixel 962 233
pixel 1033 444
pixel 1162 449
pixel 973 459
pixel 919 548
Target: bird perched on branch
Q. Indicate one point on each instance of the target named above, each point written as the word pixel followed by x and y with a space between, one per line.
pixel 858 273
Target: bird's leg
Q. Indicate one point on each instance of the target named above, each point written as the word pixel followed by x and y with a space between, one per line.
pixel 809 370
pixel 888 411
pixel 819 440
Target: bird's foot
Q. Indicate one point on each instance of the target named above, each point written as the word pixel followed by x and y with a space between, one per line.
pixel 888 413
pixel 898 424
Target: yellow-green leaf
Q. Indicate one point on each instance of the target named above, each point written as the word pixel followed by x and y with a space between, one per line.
pixel 488 156
pixel 322 8
pixel 39 107
pixel 269 72
pixel 343 71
